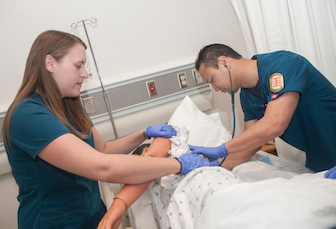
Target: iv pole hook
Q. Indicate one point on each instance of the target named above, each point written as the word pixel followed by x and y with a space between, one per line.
pixel 93 22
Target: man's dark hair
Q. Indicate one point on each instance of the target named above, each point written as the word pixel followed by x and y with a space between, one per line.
pixel 208 55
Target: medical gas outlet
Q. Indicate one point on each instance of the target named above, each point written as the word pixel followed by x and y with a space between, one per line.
pixel 151 88
pixel 89 105
pixel 182 79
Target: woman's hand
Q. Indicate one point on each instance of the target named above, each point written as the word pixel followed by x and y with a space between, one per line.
pixel 162 130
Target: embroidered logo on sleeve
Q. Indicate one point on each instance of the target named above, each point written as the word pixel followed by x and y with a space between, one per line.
pixel 276 82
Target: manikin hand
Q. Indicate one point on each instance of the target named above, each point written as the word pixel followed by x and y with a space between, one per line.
pixel 113 216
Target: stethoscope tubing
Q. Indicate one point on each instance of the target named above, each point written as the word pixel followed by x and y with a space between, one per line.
pixel 233 112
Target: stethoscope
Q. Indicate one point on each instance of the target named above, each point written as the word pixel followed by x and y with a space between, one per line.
pixel 233 110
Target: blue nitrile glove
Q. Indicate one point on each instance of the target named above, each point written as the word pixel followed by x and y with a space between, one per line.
pixel 331 174
pixel 212 153
pixel 162 130
pixel 190 162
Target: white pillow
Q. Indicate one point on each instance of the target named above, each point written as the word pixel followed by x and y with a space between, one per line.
pixel 204 130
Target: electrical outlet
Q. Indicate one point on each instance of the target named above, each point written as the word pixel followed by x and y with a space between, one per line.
pixel 197 77
pixel 182 78
pixel 151 88
pixel 89 105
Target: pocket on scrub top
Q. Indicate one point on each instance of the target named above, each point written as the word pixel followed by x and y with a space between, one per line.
pixel 65 216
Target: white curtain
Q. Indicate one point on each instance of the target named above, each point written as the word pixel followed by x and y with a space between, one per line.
pixel 307 27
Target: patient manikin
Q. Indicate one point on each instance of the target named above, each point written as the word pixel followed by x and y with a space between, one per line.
pixel 160 147
pixel 186 115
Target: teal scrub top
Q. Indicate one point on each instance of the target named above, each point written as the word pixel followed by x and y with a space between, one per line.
pixel 49 197
pixel 313 125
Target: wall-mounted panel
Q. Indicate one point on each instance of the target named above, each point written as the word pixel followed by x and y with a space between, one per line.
pixel 137 92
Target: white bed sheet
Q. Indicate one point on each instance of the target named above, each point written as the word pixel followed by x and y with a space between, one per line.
pixel 305 201
pixel 217 198
pixel 253 195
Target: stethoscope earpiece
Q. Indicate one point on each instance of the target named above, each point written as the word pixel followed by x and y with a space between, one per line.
pixel 225 65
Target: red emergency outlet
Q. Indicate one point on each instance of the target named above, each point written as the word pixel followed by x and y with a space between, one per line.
pixel 151 88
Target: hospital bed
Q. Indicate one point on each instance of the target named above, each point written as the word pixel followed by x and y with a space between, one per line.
pixel 265 192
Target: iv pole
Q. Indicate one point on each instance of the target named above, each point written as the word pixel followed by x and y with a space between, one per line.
pixel 93 23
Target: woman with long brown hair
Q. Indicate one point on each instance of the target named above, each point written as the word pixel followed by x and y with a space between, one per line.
pixel 56 155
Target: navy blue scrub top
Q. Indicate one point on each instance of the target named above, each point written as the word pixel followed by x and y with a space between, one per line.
pixel 49 197
pixel 313 126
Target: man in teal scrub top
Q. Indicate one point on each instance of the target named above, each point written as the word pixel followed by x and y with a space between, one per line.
pixel 282 94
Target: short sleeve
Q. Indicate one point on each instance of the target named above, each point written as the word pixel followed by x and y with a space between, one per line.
pixel 291 76
pixel 33 126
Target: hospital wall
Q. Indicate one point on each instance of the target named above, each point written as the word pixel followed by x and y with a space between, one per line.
pixel 133 41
